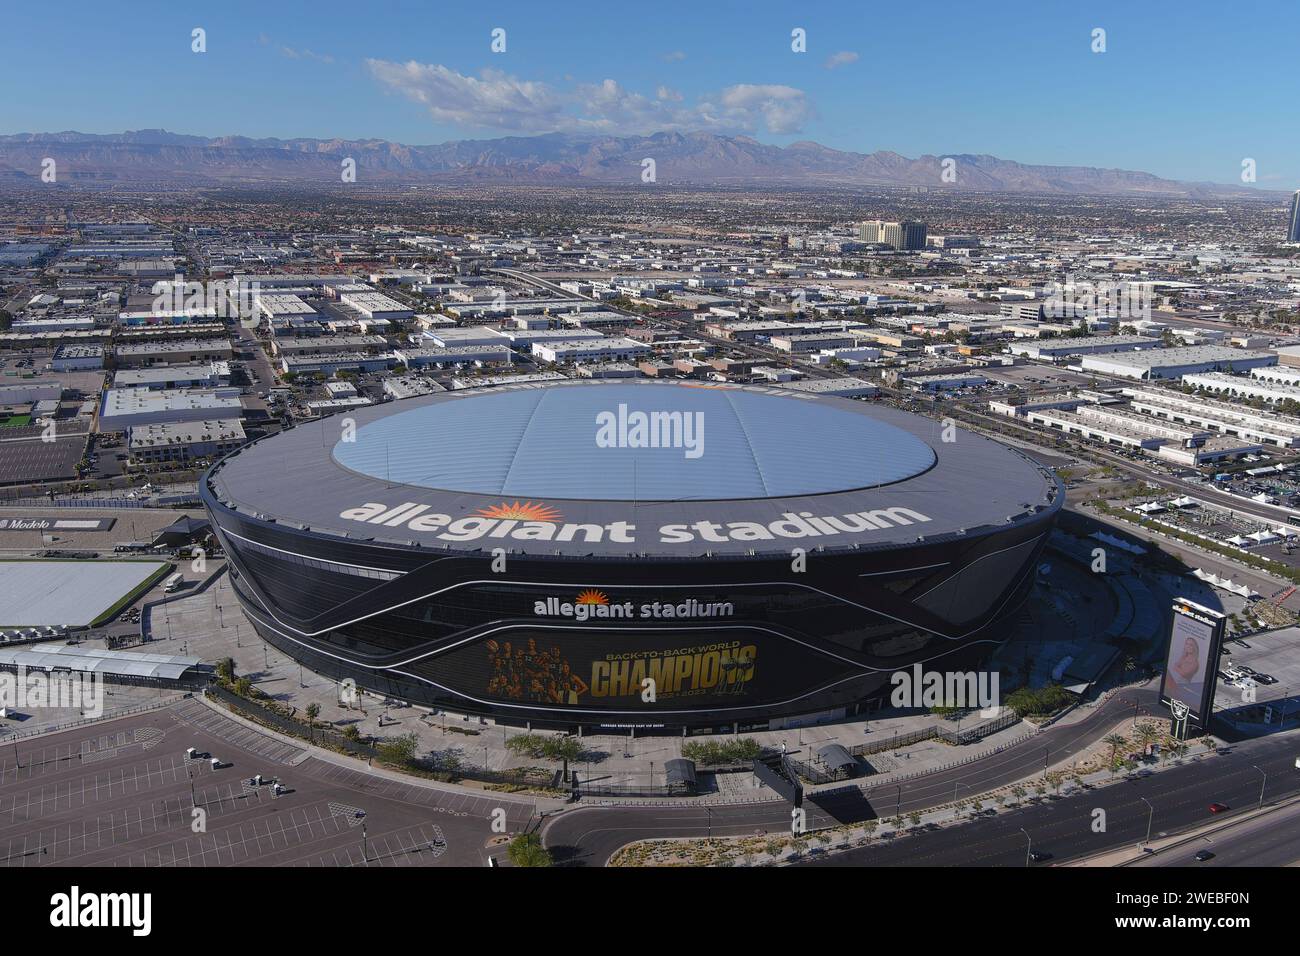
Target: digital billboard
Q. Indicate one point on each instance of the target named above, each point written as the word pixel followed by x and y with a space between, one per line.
pixel 1192 660
pixel 607 669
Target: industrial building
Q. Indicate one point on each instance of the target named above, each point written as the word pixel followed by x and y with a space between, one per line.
pixel 121 408
pixel 179 443
pixel 1162 363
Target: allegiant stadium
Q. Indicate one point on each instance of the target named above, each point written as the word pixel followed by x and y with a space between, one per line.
pixel 634 554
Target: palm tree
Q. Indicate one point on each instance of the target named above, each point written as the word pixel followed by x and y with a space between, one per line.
pixel 1146 736
pixel 1115 742
pixel 313 711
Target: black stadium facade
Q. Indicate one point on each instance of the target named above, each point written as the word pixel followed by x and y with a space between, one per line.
pixel 758 557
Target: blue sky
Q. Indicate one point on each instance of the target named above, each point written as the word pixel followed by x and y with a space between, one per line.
pixel 1184 89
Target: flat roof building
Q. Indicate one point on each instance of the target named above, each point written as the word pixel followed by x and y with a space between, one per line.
pixel 1175 363
pixel 616 349
pixel 179 443
pixel 122 408
pixel 187 352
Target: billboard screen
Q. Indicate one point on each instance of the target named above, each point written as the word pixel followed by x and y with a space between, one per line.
pixel 1192 660
pixel 606 670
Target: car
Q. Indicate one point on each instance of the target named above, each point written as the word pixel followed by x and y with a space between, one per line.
pixel 1038 856
pixel 1203 855
pixel 1218 808
pixel 1265 678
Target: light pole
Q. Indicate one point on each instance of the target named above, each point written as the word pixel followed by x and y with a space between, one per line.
pixel 1029 846
pixel 1263 783
pixel 1151 812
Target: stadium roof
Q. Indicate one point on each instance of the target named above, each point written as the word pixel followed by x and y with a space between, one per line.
pixel 518 467
pixel 544 443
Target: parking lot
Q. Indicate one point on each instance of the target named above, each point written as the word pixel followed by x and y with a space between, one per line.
pixel 1276 654
pixel 125 793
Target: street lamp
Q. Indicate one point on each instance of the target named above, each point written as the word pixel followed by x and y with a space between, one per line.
pixel 1029 847
pixel 1151 812
pixel 1263 783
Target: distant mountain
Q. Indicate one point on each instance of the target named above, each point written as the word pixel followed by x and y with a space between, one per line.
pixel 157 156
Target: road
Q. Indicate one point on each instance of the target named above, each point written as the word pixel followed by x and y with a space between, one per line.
pixel 1270 839
pixel 588 836
pixel 1179 797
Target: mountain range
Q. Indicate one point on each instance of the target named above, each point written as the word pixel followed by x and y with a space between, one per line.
pixel 700 159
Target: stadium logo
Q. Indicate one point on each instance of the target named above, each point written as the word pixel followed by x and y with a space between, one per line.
pixel 528 511
pixel 539 522
pixel 591 604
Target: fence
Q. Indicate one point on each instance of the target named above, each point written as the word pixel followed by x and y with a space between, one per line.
pixel 935 732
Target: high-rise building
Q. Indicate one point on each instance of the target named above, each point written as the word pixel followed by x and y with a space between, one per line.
pixel 1293 220
pixel 870 230
pixel 900 235
pixel 905 235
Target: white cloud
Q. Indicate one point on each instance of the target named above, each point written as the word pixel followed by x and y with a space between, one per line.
pixel 496 100
pixel 305 54
pixel 676 56
pixel 843 58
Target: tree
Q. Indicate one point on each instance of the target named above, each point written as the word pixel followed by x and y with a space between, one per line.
pixel 243 687
pixel 1146 736
pixel 526 849
pixel 399 750
pixel 226 669
pixel 1115 742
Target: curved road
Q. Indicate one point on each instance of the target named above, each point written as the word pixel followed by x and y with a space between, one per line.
pixel 588 836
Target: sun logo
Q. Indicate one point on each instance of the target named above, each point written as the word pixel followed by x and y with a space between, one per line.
pixel 591 597
pixel 528 511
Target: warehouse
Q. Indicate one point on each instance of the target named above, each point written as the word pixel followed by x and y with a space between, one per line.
pixel 1174 363
pixel 122 408
pixel 616 349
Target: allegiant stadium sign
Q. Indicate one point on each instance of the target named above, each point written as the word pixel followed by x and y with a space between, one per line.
pixel 531 521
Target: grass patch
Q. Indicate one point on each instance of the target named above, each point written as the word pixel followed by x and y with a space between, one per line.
pixel 134 593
